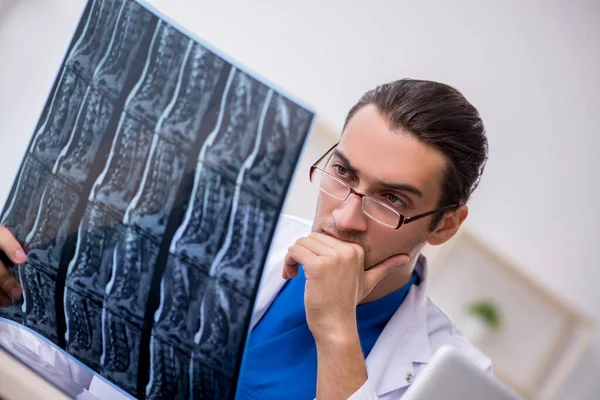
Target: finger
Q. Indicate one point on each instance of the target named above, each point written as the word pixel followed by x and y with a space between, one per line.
pixel 302 255
pixel 314 245
pixel 326 239
pixel 8 283
pixel 5 301
pixel 377 272
pixel 11 246
pixel 335 243
pixel 290 268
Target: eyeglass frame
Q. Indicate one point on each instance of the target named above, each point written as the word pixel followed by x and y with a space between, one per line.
pixel 402 219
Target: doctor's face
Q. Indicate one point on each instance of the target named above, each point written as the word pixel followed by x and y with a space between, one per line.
pixel 392 166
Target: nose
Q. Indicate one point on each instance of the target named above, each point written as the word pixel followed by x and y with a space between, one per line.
pixel 349 215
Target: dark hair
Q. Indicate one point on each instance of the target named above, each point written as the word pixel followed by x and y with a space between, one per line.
pixel 439 116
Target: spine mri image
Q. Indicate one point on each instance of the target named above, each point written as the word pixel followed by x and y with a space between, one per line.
pixel 147 200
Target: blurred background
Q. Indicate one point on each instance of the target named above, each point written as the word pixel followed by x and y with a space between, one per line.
pixel 530 67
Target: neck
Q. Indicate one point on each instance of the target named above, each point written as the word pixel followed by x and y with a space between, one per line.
pixel 391 282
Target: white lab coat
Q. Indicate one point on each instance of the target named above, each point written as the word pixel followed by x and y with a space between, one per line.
pixel 413 334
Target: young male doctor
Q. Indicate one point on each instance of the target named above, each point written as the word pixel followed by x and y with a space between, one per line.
pixel 343 312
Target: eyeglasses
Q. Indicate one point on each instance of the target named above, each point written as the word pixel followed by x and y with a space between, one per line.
pixel 372 207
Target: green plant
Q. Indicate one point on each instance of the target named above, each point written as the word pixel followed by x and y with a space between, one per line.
pixel 487 311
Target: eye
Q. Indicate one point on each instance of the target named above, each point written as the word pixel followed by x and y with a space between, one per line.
pixel 340 170
pixel 394 200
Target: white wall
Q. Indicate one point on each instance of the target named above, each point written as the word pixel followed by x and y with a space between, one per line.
pixel 530 67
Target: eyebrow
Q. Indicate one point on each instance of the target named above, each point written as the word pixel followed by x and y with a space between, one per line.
pixel 403 187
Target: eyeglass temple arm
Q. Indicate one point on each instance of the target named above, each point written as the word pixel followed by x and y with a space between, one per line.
pixel 416 217
pixel 322 157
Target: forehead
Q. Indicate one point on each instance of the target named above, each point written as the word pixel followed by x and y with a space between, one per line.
pixel 391 156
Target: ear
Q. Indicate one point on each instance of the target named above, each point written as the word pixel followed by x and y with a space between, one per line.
pixel 448 226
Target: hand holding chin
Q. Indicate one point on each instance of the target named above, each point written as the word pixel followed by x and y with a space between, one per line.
pixel 336 281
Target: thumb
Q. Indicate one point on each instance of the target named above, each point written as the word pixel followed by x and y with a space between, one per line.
pixel 376 273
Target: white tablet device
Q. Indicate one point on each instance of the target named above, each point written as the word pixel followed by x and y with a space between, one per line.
pixel 451 376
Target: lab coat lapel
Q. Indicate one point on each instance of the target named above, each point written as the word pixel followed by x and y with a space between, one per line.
pixel 269 289
pixel 288 230
pixel 403 342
